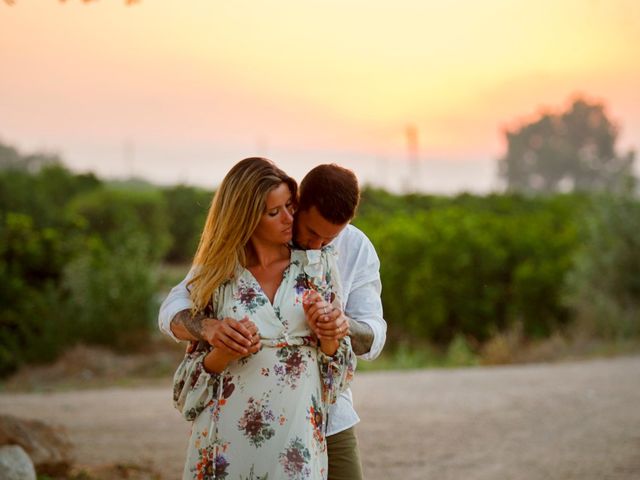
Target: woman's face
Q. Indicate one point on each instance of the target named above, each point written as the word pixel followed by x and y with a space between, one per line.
pixel 276 223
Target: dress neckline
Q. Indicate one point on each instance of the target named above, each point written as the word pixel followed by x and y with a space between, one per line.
pixel 254 280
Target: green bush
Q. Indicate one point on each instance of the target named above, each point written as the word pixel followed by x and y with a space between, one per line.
pixel 32 326
pixel 473 265
pixel 111 292
pixel 116 215
pixel 44 194
pixel 186 209
pixel 603 286
pixel 76 261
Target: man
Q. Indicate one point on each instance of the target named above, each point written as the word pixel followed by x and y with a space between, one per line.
pixel 329 196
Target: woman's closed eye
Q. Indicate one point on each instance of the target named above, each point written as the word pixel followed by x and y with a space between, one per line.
pixel 289 206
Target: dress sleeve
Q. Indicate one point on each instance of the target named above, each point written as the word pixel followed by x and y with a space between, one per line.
pixel 336 370
pixel 194 389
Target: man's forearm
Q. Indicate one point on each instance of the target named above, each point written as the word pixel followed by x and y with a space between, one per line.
pixel 186 326
pixel 361 336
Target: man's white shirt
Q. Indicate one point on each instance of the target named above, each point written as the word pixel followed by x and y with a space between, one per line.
pixel 359 269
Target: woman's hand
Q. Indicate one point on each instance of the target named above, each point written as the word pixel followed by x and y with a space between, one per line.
pixel 218 358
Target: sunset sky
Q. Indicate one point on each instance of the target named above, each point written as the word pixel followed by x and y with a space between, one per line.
pixel 178 91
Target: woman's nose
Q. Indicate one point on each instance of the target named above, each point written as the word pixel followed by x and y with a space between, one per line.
pixel 288 217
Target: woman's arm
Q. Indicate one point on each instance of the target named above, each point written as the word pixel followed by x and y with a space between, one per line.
pixel 329 347
pixel 316 309
pixel 216 361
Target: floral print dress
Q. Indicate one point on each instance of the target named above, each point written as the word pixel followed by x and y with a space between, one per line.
pixel 264 417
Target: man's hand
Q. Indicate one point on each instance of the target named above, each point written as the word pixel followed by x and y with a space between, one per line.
pixel 327 322
pixel 231 336
pixel 219 357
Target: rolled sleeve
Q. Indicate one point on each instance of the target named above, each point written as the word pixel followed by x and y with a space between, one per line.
pixel 364 305
pixel 177 301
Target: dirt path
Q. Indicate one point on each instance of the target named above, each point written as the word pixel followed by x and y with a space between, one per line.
pixel 564 421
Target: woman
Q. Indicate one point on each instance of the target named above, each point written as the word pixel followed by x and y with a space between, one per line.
pixel 263 415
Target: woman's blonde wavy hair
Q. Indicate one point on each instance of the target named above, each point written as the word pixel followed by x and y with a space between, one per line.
pixel 234 214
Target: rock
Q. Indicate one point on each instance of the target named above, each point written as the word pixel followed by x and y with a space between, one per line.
pixel 49 448
pixel 15 464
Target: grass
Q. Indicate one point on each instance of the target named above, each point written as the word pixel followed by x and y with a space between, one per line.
pixel 410 357
pixel 502 349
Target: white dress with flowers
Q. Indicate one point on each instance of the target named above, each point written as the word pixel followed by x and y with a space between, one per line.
pixel 265 416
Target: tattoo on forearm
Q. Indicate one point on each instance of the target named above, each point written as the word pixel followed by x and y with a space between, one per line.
pixel 361 337
pixel 192 323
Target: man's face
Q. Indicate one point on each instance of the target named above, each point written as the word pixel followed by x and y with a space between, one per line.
pixel 312 231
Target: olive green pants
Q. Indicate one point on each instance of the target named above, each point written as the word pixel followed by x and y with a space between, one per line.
pixel 344 459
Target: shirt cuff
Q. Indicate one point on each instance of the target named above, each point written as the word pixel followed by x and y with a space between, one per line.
pixel 167 312
pixel 379 338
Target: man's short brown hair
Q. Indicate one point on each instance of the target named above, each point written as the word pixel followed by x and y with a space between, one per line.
pixel 333 190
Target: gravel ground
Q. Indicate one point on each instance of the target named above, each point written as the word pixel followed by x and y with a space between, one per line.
pixel 550 421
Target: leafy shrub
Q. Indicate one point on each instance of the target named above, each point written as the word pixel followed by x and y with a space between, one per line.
pixel 76 261
pixel 603 286
pixel 32 327
pixel 186 209
pixel 111 292
pixel 44 194
pixel 473 265
pixel 116 215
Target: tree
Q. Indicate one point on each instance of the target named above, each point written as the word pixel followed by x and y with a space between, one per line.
pixel 12 159
pixel 573 150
